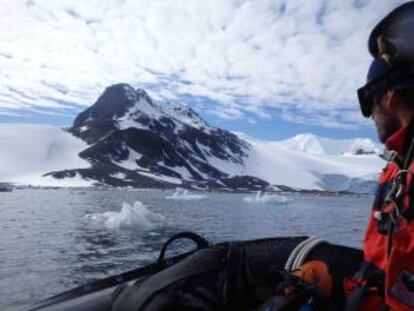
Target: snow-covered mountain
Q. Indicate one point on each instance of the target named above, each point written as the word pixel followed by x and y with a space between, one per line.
pixel 127 139
pixel 138 142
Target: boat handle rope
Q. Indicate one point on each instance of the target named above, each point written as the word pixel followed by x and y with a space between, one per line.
pixel 301 251
pixel 197 239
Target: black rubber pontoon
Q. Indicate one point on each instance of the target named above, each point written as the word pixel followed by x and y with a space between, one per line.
pixel 259 255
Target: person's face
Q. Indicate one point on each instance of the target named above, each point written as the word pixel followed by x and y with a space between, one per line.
pixel 384 118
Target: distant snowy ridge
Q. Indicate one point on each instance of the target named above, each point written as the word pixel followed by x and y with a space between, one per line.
pixel 280 165
pixel 312 144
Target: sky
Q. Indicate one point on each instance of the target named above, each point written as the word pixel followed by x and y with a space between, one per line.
pixel 269 68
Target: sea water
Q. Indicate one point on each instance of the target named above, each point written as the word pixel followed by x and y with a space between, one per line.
pixel 54 240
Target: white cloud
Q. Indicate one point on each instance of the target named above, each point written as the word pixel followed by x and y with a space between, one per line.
pixel 302 58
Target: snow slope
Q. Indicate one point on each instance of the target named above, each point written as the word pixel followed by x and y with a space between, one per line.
pixel 28 151
pixel 278 164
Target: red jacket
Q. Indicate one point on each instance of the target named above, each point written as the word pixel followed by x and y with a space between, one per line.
pixel 389 239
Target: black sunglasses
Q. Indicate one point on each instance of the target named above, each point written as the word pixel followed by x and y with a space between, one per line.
pixel 376 87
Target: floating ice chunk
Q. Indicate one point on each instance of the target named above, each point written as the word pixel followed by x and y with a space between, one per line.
pixel 183 194
pixel 135 216
pixel 80 192
pixel 265 198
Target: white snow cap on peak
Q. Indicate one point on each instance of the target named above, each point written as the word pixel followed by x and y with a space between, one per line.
pixel 145 105
pixel 184 114
pixel 312 144
pixel 361 146
pixel 307 143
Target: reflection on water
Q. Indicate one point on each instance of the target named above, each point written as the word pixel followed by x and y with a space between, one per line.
pixel 47 244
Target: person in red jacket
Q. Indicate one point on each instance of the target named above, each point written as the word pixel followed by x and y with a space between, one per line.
pixel 386 278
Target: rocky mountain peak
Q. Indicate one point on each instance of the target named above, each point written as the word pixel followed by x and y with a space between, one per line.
pixel 116 102
pixel 128 133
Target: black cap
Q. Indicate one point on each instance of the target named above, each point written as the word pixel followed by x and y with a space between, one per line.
pixel 399 23
pixel 391 43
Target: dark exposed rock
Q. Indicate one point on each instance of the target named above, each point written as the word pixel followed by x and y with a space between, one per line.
pixel 6 187
pixel 361 151
pixel 97 120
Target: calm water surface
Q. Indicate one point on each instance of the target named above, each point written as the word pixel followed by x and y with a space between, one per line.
pixel 53 240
